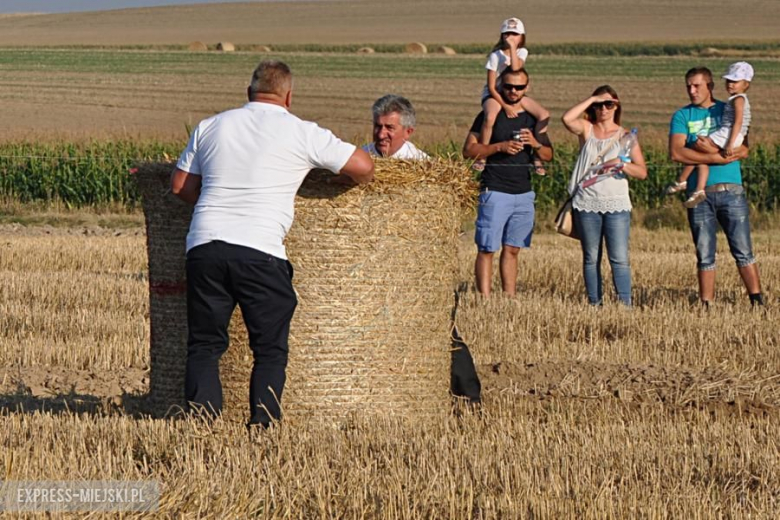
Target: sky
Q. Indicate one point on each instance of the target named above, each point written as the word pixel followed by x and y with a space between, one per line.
pixel 65 6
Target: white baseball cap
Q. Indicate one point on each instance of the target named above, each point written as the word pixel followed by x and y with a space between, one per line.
pixel 739 71
pixel 512 25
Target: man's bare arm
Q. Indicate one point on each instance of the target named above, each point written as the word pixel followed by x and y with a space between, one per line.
pixel 359 169
pixel 679 153
pixel 186 185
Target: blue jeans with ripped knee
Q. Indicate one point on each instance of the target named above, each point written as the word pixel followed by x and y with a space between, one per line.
pixel 729 209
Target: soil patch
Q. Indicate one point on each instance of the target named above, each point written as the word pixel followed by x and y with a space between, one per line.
pixel 712 388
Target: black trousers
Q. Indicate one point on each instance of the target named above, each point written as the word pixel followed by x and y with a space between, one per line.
pixel 464 381
pixel 219 276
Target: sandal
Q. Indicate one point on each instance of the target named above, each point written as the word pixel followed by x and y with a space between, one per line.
pixel 675 187
pixel 695 198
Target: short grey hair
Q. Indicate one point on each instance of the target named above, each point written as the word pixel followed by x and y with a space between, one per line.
pixel 390 103
pixel 271 77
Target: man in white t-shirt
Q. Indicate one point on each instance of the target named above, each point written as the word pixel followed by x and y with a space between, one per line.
pixel 394 121
pixel 241 169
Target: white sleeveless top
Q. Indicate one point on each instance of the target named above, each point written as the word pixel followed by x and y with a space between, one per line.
pixel 728 114
pixel 609 195
pixel 720 136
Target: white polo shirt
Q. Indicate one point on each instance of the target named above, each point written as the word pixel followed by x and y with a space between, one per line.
pixel 252 161
pixel 407 151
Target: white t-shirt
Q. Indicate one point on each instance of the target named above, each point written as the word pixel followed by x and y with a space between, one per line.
pixel 498 61
pixel 252 161
pixel 407 151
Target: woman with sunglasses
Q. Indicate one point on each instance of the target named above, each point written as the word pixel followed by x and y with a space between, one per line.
pixel 602 209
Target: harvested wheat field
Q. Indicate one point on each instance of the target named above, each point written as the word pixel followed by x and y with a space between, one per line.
pixel 663 411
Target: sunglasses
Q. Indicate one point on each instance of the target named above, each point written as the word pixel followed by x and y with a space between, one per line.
pixel 609 105
pixel 518 88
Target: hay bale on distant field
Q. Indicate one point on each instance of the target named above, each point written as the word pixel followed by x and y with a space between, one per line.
pixel 197 47
pixel 262 48
pixel 710 52
pixel 374 269
pixel 226 47
pixel 448 51
pixel 366 50
pixel 416 48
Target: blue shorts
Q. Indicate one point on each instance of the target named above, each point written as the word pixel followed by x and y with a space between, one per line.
pixel 504 219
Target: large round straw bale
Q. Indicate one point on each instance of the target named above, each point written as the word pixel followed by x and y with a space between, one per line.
pixel 449 51
pixel 416 48
pixel 262 48
pixel 366 50
pixel 374 272
pixel 226 47
pixel 197 47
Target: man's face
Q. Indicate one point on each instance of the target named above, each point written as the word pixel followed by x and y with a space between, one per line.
pixel 698 90
pixel 389 134
pixel 513 87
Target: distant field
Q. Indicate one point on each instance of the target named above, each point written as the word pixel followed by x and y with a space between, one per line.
pixel 401 21
pixel 85 94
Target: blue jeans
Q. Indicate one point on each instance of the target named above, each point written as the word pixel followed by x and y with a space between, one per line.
pixel 595 229
pixel 730 210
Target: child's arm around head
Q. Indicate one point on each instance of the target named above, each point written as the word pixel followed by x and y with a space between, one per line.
pixel 516 62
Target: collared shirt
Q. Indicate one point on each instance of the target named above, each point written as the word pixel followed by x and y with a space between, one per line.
pixel 407 151
pixel 252 161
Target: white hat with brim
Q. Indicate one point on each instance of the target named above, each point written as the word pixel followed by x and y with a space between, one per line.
pixel 738 71
pixel 512 25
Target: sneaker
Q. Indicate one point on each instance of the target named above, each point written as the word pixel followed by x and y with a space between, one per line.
pixel 675 187
pixel 478 165
pixel 695 198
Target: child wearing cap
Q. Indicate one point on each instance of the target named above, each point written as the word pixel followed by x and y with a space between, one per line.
pixel 510 52
pixel 731 133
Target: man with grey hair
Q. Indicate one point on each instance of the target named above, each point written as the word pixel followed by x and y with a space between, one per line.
pixel 394 122
pixel 241 169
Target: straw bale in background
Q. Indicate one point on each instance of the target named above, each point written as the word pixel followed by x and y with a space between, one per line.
pixel 366 50
pixel 262 48
pixel 448 51
pixel 197 47
pixel 374 271
pixel 416 48
pixel 226 47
